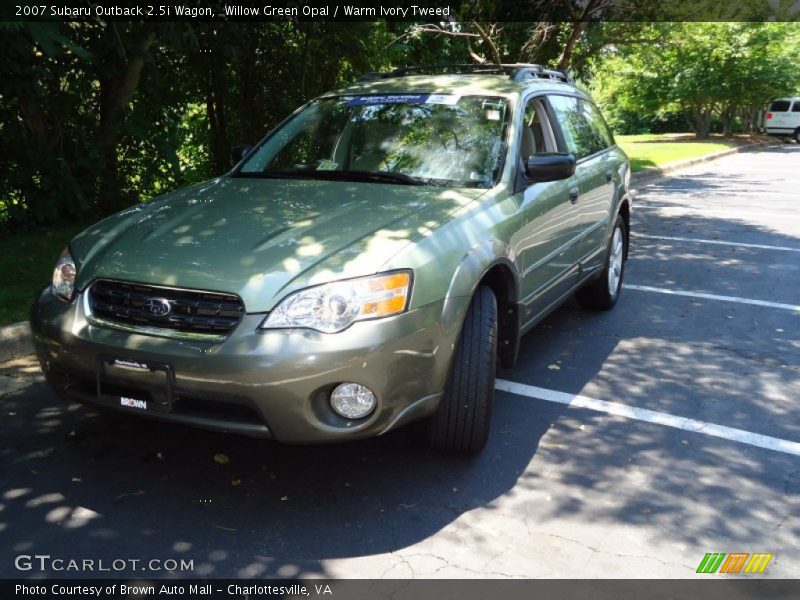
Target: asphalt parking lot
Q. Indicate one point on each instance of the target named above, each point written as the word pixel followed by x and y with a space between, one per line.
pixel 683 439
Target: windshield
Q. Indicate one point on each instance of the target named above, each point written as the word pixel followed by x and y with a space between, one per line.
pixel 414 139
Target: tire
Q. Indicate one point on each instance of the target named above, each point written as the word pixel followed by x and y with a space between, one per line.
pixel 797 136
pixel 603 293
pixel 461 424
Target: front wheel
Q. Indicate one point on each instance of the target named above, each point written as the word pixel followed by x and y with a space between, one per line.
pixel 603 293
pixel 461 424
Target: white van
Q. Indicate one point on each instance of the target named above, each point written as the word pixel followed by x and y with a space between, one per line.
pixel 783 118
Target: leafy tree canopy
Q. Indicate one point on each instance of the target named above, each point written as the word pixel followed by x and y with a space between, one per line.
pixel 98 115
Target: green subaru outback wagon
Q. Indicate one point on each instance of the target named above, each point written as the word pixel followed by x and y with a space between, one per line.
pixel 366 265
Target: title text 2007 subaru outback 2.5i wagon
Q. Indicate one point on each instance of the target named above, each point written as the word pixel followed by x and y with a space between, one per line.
pixel 364 266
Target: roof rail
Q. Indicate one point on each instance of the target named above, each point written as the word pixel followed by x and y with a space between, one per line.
pixel 515 72
pixel 540 72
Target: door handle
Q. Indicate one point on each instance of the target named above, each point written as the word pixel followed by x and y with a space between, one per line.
pixel 609 176
pixel 573 194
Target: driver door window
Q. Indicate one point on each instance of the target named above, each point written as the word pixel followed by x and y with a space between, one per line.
pixel 549 239
pixel 537 134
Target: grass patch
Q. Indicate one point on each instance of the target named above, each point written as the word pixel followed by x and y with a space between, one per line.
pixel 26 264
pixel 656 150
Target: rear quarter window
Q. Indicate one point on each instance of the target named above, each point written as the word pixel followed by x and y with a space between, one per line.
pixel 598 123
pixel 780 106
pixel 796 107
pixel 579 124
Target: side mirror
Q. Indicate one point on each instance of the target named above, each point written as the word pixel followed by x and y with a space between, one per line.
pixel 549 166
pixel 238 152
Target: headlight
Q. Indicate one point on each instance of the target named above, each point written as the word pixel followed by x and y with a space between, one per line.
pixel 63 284
pixel 335 306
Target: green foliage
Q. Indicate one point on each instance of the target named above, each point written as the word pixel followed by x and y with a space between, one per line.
pixel 701 71
pixel 26 261
pixel 646 151
pixel 98 115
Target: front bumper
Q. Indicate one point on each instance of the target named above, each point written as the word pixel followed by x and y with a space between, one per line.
pixel 271 384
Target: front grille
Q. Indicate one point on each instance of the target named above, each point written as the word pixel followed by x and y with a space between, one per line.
pixel 190 311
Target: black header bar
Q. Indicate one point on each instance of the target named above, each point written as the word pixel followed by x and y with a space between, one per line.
pixel 420 11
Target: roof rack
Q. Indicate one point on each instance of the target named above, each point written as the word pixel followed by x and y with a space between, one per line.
pixel 515 72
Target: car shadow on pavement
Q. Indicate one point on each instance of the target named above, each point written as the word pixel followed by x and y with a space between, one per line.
pixel 80 484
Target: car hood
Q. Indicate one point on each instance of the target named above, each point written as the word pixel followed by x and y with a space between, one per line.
pixel 262 238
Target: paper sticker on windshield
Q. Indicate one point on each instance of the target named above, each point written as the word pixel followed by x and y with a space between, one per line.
pixel 442 99
pixel 388 99
pixel 326 165
pixel 448 99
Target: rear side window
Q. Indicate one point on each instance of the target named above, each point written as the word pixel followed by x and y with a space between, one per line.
pixel 796 107
pixel 780 106
pixel 583 134
pixel 597 121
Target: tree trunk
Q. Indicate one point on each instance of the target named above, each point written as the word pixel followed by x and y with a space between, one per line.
pixel 728 117
pixel 42 201
pixel 215 111
pixel 304 63
pixel 125 87
pixel 33 116
pixel 755 120
pixel 487 39
pixel 701 123
pixel 251 113
pixel 727 124
pixel 578 26
pixel 117 94
pixel 574 35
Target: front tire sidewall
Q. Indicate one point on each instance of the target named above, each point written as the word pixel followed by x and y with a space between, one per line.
pixel 462 422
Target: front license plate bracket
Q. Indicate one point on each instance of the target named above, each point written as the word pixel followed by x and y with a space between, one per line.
pixel 137 385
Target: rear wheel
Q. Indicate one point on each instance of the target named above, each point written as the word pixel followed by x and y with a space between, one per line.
pixel 797 136
pixel 603 293
pixel 461 424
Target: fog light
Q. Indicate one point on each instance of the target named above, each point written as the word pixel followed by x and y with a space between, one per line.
pixel 353 401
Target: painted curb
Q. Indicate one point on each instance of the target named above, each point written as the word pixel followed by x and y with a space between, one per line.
pixel 666 170
pixel 15 340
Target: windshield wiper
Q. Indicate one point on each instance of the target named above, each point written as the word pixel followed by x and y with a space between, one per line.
pixel 376 176
pixel 266 174
pixel 383 176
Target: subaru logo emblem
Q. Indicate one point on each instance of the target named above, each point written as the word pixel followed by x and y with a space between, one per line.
pixel 158 307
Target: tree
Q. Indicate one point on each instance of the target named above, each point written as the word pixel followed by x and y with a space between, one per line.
pixel 703 70
pixel 99 115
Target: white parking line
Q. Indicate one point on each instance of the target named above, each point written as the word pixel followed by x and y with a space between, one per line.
pixel 715 242
pixel 647 288
pixel 650 416
pixel 711 195
pixel 719 212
